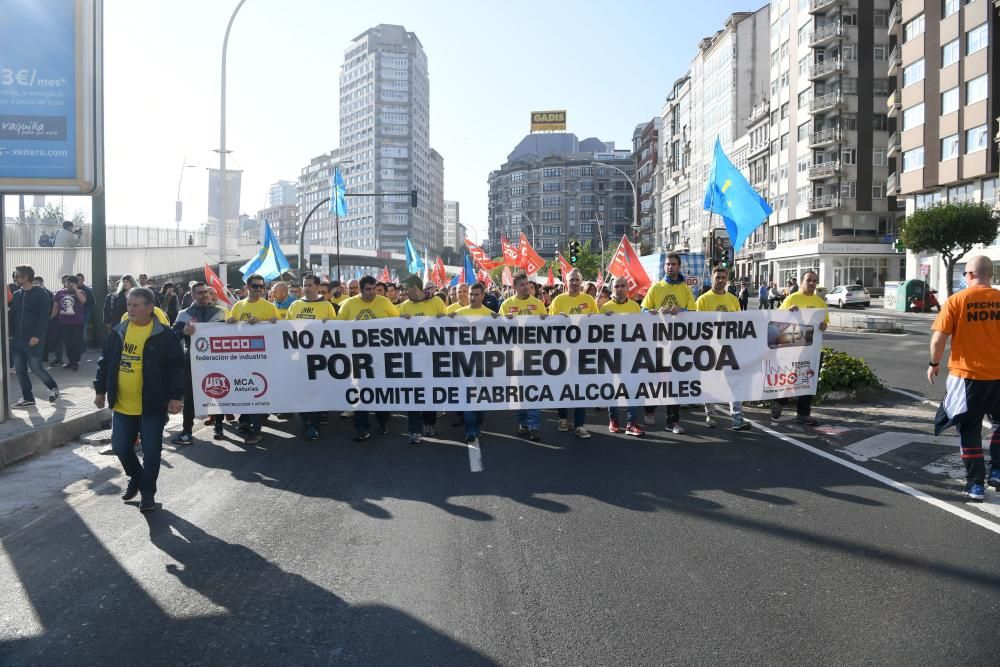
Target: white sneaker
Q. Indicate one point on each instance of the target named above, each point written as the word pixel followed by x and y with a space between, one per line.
pixel 581 433
pixel 708 421
pixel 676 429
pixel 563 424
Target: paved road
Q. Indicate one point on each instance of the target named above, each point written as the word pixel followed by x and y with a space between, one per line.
pixel 899 359
pixel 702 548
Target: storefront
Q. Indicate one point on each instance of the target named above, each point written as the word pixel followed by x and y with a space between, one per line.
pixel 838 264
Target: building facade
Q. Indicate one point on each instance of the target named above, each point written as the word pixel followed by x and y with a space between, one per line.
pixel 453 239
pixel 944 62
pixel 750 262
pixel 385 140
pixel 282 193
pixel 675 169
pixel 646 159
pixel 284 221
pixel 551 190
pixel 435 203
pixel 314 187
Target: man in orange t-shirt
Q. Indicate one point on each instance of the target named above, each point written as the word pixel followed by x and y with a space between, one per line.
pixel 971 318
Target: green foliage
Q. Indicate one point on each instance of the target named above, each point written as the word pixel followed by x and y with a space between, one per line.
pixel 842 372
pixel 951 230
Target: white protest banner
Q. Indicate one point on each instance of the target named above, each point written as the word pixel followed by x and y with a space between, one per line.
pixel 504 364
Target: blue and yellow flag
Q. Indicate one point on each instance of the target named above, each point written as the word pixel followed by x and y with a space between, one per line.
pixel 338 194
pixel 414 263
pixel 730 195
pixel 270 260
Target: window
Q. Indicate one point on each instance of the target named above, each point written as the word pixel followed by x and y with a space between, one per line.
pixel 879 157
pixel 949 101
pixel 913 73
pixel 881 52
pixel 913 116
pixel 849 155
pixel 549 202
pixel 881 18
pixel 914 28
pixel 784 111
pixel 975 90
pixel 784 141
pixel 552 172
pixel 949 53
pixel 990 194
pixel 961 193
pixel 551 215
pixel 804 98
pixel 928 199
pixel 586 186
pixel 949 147
pixel 878 190
pixel 976 39
pixel 913 159
pixel 949 7
pixel 849 189
pixel 809 229
pixel 804 131
pixel 586 171
pixel 552 186
pixel 976 139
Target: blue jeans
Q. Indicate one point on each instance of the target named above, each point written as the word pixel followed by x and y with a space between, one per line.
pixel 24 357
pixel 614 412
pixel 735 411
pixel 124 430
pixel 473 423
pixel 530 418
pixel 579 415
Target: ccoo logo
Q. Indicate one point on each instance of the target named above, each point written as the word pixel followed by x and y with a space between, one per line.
pixel 215 385
pixel 201 344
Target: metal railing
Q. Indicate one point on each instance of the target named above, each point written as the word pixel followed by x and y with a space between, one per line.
pixel 824 102
pixel 825 67
pixel 895 59
pixel 820 5
pixel 824 169
pixel 758 111
pixel 826 136
pixel 894 142
pixel 824 202
pixel 895 17
pixel 892 184
pixel 826 32
pixel 31 235
pixel 894 103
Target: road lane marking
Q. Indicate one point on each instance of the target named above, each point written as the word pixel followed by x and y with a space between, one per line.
pixel 893 484
pixel 475 456
pixel 916 397
pixel 883 443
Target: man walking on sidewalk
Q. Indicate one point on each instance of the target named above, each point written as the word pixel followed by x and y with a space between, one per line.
pixel 201 311
pixel 971 318
pixel 69 309
pixel 140 376
pixel 29 320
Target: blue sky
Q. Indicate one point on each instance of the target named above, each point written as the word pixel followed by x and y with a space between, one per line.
pixel 609 64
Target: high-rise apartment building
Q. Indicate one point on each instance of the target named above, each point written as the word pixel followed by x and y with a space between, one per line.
pixel 674 233
pixel 645 158
pixel 385 140
pixel 284 222
pixel 453 239
pixel 281 193
pixel 551 189
pixel 944 59
pixel 829 131
pixel 749 261
pixel 435 202
pixel 314 187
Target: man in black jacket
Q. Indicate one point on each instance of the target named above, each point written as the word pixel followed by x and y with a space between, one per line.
pixel 141 377
pixel 29 321
pixel 201 311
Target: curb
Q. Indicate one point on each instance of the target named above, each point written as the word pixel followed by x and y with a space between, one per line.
pixel 43 438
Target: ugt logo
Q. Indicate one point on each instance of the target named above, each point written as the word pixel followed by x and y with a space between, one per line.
pixel 215 385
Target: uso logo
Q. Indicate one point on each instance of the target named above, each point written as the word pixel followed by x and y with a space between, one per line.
pixel 215 385
pixel 237 344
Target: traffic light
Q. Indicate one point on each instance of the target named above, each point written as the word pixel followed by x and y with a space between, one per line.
pixel 726 258
pixel 413 198
pixel 574 251
pixel 899 245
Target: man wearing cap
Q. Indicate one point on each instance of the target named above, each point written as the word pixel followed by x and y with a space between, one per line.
pixel 418 304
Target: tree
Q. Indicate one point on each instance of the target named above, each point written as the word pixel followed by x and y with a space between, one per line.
pixel 950 230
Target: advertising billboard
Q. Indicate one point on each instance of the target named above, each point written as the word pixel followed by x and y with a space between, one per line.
pixel 50 96
pixel 548 121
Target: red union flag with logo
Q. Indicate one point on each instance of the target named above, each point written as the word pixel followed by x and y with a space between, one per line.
pixel 220 290
pixel 438 275
pixel 626 264
pixel 530 261
pixel 385 277
pixel 479 255
pixel 511 255
pixel 564 266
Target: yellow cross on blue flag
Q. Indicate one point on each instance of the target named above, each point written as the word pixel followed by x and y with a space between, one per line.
pixel 730 195
pixel 270 260
pixel 338 194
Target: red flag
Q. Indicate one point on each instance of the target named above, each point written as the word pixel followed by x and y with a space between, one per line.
pixel 552 279
pixel 220 290
pixel 484 278
pixel 531 262
pixel 600 280
pixel 438 275
pixel 480 257
pixel 385 277
pixel 507 277
pixel 511 254
pixel 625 264
pixel 564 266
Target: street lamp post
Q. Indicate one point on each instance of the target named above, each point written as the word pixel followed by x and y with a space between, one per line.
pixel 179 207
pixel 302 230
pixel 223 269
pixel 635 193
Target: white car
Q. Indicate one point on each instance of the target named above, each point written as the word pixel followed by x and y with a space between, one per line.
pixel 848 295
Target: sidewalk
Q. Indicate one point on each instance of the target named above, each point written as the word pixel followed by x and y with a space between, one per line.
pixel 37 429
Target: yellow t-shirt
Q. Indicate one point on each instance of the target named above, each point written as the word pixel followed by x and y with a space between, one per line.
pixel 160 316
pixel 321 309
pixel 802 301
pixel 339 300
pixel 530 306
pixel 626 308
pixel 355 308
pixel 261 309
pixel 710 301
pixel 427 308
pixel 667 295
pixel 454 307
pixel 581 304
pixel 282 312
pixel 128 400
pixel 469 311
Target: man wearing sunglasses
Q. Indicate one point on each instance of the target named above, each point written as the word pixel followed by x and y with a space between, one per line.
pixel 253 309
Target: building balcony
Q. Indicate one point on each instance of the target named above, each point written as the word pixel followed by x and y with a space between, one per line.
pixel 892 185
pixel 895 18
pixel 827 67
pixel 826 34
pixel 893 147
pixel 826 102
pixel 819 6
pixel 758 111
pixel 757 149
pixel 824 170
pixel 830 135
pixel 895 60
pixel 824 203
pixel 894 103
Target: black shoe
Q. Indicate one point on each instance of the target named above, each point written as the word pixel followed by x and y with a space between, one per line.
pixel 324 419
pixel 807 420
pixel 147 504
pixel 184 438
pixel 132 490
pixel 383 429
pixel 24 403
pixel 775 412
pixel 73 366
pixel 218 435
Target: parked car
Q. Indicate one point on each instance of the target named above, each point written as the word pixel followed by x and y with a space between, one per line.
pixel 848 295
